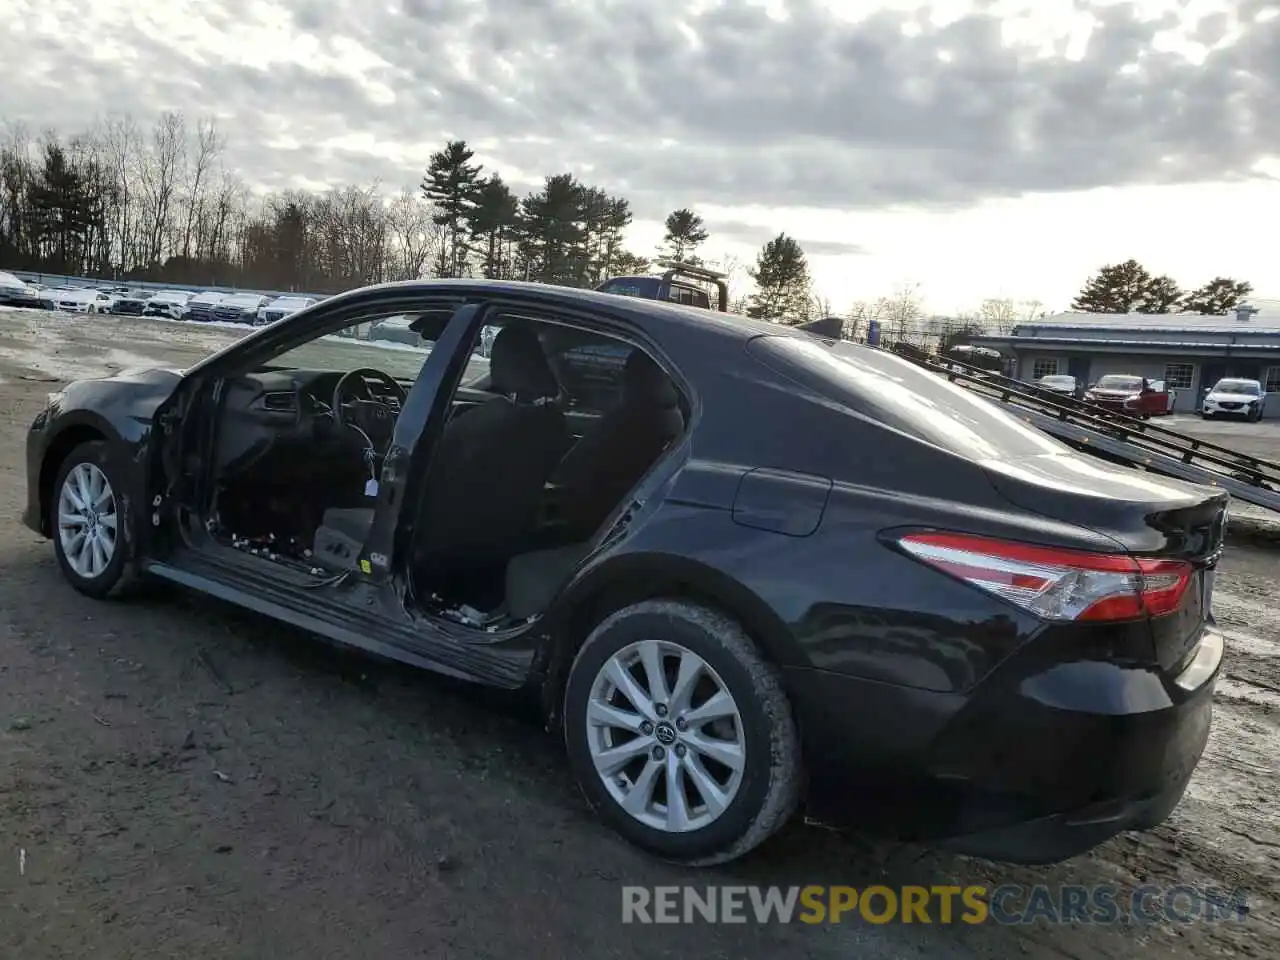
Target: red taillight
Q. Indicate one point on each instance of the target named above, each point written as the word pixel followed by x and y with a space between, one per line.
pixel 1057 584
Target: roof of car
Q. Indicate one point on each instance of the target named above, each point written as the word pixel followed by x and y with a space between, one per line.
pixel 652 315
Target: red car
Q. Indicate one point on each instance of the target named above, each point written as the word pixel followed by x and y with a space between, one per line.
pixel 1131 395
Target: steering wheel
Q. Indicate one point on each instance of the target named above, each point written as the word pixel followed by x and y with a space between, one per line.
pixel 357 404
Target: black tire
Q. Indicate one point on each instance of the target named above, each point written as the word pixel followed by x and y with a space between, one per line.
pixel 119 576
pixel 769 793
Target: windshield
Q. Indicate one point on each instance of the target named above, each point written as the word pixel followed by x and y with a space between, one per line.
pixel 1120 383
pixel 1249 387
pixel 172 296
pixel 1058 381
pixel 243 300
pixel 384 343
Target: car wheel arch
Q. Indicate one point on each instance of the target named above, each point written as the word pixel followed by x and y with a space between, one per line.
pixel 632 579
pixel 60 447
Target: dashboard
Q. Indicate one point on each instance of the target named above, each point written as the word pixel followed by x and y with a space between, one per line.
pixel 287 414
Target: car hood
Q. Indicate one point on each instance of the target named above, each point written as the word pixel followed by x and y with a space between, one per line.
pixel 138 381
pixel 1114 394
pixel 1231 397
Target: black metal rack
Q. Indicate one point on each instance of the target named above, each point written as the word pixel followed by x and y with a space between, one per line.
pixel 1138 443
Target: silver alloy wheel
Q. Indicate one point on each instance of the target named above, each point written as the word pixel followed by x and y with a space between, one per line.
pixel 87 520
pixel 666 736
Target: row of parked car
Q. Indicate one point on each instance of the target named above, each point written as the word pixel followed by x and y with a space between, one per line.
pixel 249 308
pixel 1143 397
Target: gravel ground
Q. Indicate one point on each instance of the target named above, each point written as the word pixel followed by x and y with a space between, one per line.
pixel 187 780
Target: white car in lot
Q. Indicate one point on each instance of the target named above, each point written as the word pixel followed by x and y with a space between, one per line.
pixel 1235 397
pixel 15 292
pixel 201 306
pixel 79 300
pixel 171 304
pixel 282 307
pixel 1059 384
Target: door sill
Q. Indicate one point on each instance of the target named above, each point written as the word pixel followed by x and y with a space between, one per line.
pixel 357 614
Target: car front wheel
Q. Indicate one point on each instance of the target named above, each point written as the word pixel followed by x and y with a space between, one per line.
pixel 679 733
pixel 87 522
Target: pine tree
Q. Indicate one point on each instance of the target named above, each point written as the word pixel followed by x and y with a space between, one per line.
pixel 492 224
pixel 552 231
pixel 686 231
pixel 781 275
pixel 1161 296
pixel 1117 288
pixel 1218 297
pixel 451 183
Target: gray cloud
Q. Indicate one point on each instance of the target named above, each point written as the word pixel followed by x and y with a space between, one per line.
pixel 811 111
pixel 753 234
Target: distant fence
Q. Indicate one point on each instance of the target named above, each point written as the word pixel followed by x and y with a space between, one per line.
pixel 62 280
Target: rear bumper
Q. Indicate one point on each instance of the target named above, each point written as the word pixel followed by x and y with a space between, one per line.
pixel 1027 768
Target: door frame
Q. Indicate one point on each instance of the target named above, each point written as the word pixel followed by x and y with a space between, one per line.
pixel 422 419
pixel 245 355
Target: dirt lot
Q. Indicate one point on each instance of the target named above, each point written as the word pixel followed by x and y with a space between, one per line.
pixel 180 779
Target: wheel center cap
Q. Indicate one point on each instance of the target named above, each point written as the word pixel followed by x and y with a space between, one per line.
pixel 665 734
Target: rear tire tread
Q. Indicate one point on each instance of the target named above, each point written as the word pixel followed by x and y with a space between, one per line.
pixel 785 776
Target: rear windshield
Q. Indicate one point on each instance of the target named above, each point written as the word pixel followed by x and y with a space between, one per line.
pixel 645 288
pixel 1120 383
pixel 1250 387
pixel 904 396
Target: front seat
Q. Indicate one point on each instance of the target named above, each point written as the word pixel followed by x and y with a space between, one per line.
pixel 489 470
pixel 606 463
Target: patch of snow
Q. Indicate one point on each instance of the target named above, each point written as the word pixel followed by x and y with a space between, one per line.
pixel 75 367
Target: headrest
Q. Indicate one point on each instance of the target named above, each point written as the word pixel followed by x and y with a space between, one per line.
pixel 643 381
pixel 519 368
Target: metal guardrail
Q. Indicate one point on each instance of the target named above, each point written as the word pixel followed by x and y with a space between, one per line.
pixel 1138 442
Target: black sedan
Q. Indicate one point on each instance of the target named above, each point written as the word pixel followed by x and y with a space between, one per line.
pixel 747 570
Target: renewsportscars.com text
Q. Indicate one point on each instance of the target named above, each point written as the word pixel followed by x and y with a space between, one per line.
pixel 937 904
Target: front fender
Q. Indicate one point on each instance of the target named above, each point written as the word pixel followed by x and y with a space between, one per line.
pixel 118 412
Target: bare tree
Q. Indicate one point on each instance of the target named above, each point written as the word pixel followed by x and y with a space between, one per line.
pixel 159 176
pixel 209 146
pixel 416 237
pixel 998 315
pixel 120 144
pixel 903 311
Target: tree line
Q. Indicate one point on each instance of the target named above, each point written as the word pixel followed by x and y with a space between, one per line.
pixel 1130 287
pixel 127 202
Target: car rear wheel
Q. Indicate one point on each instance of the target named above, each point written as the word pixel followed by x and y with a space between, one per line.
pixel 87 522
pixel 679 733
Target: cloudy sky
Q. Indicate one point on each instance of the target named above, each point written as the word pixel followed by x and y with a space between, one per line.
pixel 980 149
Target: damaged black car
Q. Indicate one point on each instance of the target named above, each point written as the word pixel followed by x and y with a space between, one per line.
pixel 749 572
